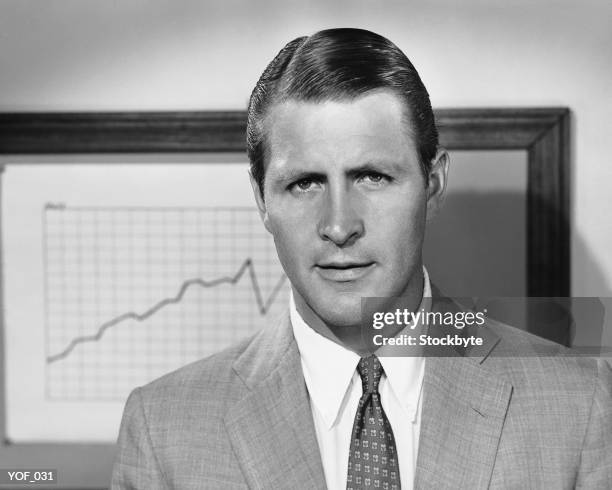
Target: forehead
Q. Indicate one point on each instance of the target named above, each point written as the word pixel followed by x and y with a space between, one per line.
pixel 374 125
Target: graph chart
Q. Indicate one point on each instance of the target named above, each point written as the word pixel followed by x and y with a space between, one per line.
pixel 132 293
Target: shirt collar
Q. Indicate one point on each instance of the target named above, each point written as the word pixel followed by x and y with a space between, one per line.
pixel 321 357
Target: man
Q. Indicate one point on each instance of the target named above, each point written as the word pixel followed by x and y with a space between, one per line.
pixel 346 170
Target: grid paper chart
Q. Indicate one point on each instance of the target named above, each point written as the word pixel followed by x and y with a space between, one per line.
pixel 133 293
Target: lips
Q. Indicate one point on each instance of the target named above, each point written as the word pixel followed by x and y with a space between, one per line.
pixel 343 271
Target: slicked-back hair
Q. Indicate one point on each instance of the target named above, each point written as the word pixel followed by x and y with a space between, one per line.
pixel 339 64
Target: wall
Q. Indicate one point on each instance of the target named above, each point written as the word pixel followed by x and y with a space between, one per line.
pixel 83 55
pixel 69 55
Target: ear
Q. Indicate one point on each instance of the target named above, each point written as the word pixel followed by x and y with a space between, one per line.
pixel 259 200
pixel 436 187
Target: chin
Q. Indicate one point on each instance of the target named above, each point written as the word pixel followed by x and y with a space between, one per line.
pixel 343 311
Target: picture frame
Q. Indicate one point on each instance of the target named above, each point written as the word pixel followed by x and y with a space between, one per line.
pixel 544 133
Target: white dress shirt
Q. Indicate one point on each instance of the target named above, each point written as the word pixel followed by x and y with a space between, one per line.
pixel 334 386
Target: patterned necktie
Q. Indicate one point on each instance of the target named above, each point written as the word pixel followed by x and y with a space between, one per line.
pixel 372 455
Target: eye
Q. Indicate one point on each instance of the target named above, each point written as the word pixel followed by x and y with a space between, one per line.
pixel 303 185
pixel 374 178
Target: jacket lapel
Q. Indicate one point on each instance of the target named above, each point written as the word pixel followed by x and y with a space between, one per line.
pixel 271 428
pixel 462 416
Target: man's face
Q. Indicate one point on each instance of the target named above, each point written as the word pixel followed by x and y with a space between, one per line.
pixel 346 203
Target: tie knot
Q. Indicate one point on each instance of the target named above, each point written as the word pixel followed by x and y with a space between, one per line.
pixel 370 370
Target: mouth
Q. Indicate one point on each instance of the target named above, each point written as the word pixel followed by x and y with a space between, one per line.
pixel 344 271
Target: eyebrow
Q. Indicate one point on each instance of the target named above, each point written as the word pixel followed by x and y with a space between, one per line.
pixel 377 166
pixel 292 175
pixel 295 175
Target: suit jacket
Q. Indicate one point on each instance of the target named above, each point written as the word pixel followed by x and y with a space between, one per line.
pixel 499 418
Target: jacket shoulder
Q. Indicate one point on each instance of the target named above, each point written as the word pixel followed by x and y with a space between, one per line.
pixel 175 424
pixel 528 360
pixel 208 384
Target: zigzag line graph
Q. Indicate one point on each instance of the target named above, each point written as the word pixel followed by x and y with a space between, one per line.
pixel 247 266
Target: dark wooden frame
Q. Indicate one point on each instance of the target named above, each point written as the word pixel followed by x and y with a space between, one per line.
pixel 542 132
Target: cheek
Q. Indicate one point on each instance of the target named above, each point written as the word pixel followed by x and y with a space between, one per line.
pixel 288 218
pixel 288 234
pixel 401 217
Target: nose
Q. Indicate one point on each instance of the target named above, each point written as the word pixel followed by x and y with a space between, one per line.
pixel 341 221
